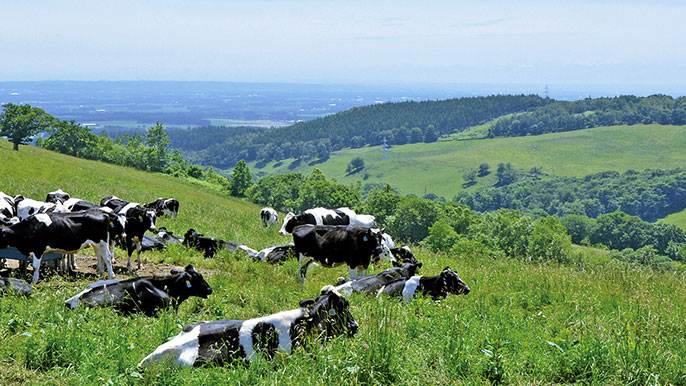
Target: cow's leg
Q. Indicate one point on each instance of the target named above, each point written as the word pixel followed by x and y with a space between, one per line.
pixel 353 272
pixel 303 263
pixel 360 271
pixel 72 262
pixel 139 246
pixel 112 250
pixel 36 267
pixel 102 250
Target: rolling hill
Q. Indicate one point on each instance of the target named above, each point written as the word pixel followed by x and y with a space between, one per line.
pixel 589 322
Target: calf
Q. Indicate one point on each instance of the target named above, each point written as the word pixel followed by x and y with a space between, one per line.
pixel 144 294
pixel 64 233
pixel 438 287
pixel 269 217
pixel 225 340
pixel 164 206
pixel 331 245
pixel 57 196
pixel 277 254
pixel 372 283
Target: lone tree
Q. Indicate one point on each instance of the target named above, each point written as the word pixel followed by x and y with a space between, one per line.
pixel 484 170
pixel 241 179
pixel 355 165
pixel 158 141
pixel 19 123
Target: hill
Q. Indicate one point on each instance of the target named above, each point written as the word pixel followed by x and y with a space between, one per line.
pixel 522 321
pixel 439 167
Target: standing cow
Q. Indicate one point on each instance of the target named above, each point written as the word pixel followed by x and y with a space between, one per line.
pixel 138 221
pixel 164 207
pixel 323 216
pixel 331 245
pixel 269 217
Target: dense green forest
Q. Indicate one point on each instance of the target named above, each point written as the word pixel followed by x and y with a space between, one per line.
pixel 650 194
pixel 587 113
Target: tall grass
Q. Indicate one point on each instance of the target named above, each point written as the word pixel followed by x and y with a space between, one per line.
pixel 594 322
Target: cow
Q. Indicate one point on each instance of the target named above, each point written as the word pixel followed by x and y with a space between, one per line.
pixel 438 287
pixel 146 294
pixel 222 341
pixel 138 221
pixel 159 241
pixel 76 204
pixel 269 217
pixel 372 283
pixel 57 196
pixel 113 202
pixel 331 245
pixel 27 207
pixel 164 206
pixel 210 246
pixel 323 216
pixel 404 253
pixel 64 233
pixel 7 208
pixel 276 254
pixel 16 286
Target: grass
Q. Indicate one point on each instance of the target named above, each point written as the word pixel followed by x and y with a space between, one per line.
pixel 439 167
pixel 678 219
pixel 593 322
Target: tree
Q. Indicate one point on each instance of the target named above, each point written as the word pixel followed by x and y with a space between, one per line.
pixel 484 170
pixel 19 123
pixel 73 139
pixel 506 175
pixel 355 165
pixel 469 178
pixel 431 134
pixel 241 179
pixel 416 135
pixel 158 141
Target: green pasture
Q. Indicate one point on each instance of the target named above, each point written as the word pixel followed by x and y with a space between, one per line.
pixel 591 322
pixel 439 167
pixel 678 219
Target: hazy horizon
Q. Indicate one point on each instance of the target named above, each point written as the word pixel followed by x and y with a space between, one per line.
pixel 608 43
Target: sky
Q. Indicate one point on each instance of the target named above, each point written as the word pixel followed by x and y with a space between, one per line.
pixel 609 42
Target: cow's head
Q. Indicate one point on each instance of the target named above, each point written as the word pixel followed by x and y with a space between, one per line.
pixel 191 237
pixel 452 282
pixel 404 254
pixel 289 222
pixel 330 312
pixel 151 217
pixel 381 249
pixel 57 196
pixel 408 266
pixel 142 217
pixel 116 225
pixel 192 282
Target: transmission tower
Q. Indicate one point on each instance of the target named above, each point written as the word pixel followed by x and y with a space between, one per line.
pixel 385 149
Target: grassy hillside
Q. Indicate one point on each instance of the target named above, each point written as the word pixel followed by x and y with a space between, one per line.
pixel 594 322
pixel 678 219
pixel 439 167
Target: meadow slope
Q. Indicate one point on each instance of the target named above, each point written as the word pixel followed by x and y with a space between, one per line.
pixel 439 167
pixel 522 323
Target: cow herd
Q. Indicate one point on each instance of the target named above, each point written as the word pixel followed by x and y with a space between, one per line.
pixel 328 237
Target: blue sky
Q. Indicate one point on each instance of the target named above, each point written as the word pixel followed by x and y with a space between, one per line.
pixel 539 42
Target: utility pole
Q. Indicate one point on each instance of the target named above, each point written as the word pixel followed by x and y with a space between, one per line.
pixel 385 149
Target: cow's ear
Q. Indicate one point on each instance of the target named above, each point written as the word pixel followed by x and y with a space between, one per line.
pixel 419 265
pixel 447 269
pixel 190 268
pixel 306 303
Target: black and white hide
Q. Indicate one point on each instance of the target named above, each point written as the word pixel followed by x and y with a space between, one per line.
pixel 371 284
pixel 27 207
pixel 144 294
pixel 160 240
pixel 438 287
pixel 277 254
pixel 57 196
pixel 209 246
pixel 331 245
pixel 15 286
pixel 269 217
pixel 76 204
pixel 64 233
pixel 323 216
pixel 8 211
pixel 113 202
pixel 225 340
pixel 164 207
pixel 138 221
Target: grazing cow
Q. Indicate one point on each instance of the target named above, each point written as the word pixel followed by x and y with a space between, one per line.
pixel 164 206
pixel 331 245
pixel 144 294
pixel 372 283
pixel 277 254
pixel 225 340
pixel 7 207
pixel 17 286
pixel 438 287
pixel 64 233
pixel 138 220
pixel 27 207
pixel 269 217
pixel 57 196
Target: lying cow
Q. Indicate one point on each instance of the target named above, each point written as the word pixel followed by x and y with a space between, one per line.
pixel 164 207
pixel 225 340
pixel 17 286
pixel 331 245
pixel 438 287
pixel 372 283
pixel 323 216
pixel 144 294
pixel 160 240
pixel 64 233
pixel 269 217
pixel 277 254
pixel 209 246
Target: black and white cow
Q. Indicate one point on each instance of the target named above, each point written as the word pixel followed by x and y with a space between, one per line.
pixel 269 217
pixel 27 207
pixel 8 211
pixel 138 221
pixel 210 246
pixel 57 196
pixel 225 340
pixel 372 283
pixel 16 286
pixel 113 202
pixel 323 216
pixel 331 245
pixel 64 233
pixel 76 204
pixel 144 294
pixel 277 254
pixel 160 240
pixel 438 287
pixel 164 207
